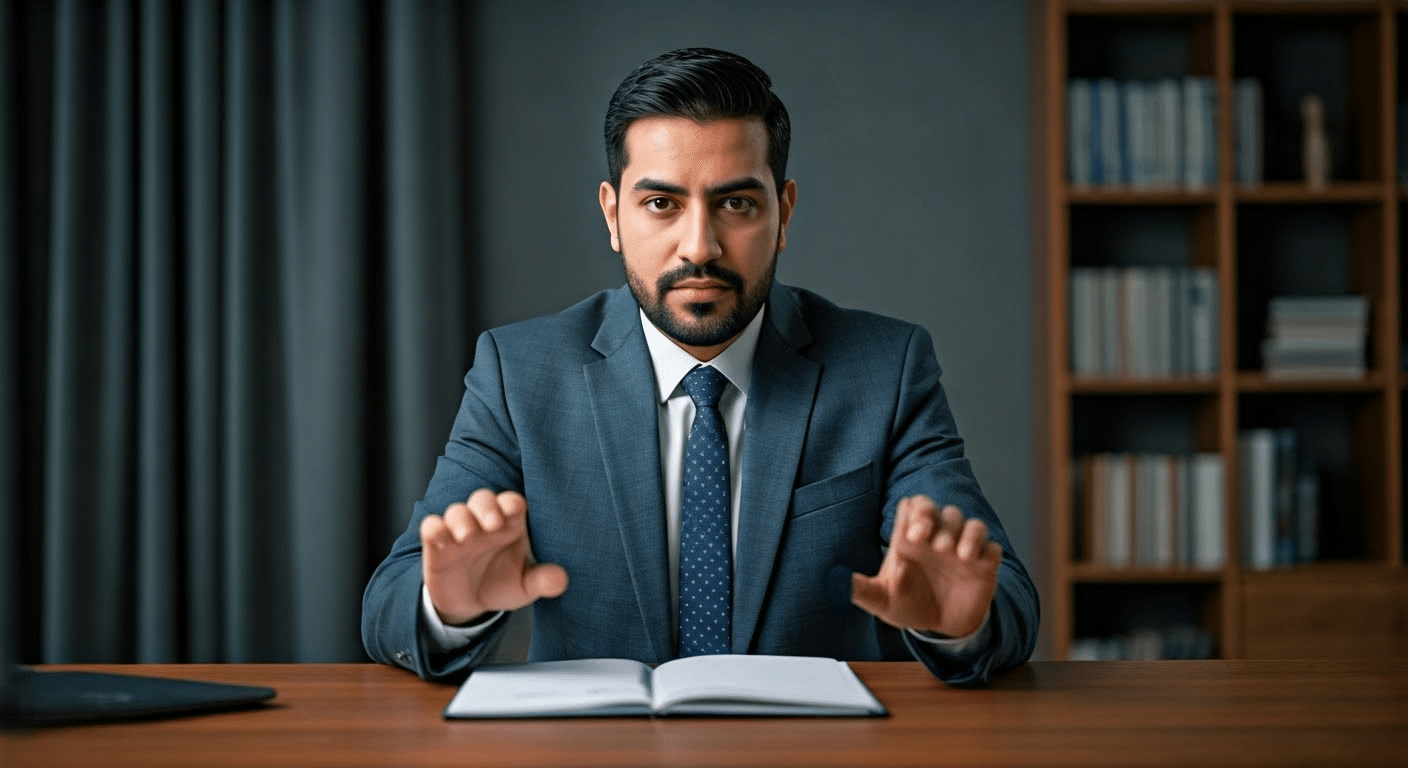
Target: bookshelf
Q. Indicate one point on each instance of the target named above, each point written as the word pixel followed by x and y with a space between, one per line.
pixel 1271 235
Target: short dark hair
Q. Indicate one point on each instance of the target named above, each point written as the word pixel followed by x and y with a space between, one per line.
pixel 701 84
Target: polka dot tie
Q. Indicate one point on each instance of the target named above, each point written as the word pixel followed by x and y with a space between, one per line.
pixel 706 550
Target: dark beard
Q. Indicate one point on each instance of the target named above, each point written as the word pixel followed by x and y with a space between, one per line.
pixel 711 328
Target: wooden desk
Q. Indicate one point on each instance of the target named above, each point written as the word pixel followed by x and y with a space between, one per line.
pixel 1274 713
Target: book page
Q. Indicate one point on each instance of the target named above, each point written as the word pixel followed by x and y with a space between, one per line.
pixel 761 685
pixel 584 687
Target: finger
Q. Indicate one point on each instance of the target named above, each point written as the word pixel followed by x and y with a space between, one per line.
pixel 912 511
pixel 950 528
pixel 434 532
pixel 484 508
pixel 869 594
pixel 459 522
pixel 512 504
pixel 920 526
pixel 545 580
pixel 972 539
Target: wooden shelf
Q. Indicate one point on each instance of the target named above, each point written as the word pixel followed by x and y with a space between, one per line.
pixel 1260 382
pixel 1138 196
pixel 1091 573
pixel 1297 193
pixel 1279 237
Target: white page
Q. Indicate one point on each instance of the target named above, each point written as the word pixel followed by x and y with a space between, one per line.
pixel 559 688
pixel 739 684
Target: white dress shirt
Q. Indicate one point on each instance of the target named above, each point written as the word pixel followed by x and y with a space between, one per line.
pixel 676 415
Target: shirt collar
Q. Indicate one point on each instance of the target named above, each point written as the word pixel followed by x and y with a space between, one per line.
pixel 672 363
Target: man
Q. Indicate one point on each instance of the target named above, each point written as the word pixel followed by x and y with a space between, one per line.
pixel 705 461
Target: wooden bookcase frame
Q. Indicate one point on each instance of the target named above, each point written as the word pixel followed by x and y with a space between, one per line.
pixel 1357 606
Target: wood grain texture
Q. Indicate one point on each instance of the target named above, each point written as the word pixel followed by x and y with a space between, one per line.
pixel 1272 713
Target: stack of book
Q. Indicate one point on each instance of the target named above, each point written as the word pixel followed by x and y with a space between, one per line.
pixel 1316 337
pixel 1143 322
pixel 1278 500
pixel 1151 510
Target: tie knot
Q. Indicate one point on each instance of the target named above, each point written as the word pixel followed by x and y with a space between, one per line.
pixel 704 385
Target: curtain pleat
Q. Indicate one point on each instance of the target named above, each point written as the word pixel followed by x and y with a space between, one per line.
pixel 200 309
pixel 250 317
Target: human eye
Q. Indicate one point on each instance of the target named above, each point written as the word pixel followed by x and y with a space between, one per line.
pixel 737 204
pixel 659 204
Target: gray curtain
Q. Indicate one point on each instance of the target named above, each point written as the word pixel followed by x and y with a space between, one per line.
pixel 232 315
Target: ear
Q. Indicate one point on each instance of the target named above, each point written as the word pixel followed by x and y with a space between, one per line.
pixel 785 202
pixel 606 195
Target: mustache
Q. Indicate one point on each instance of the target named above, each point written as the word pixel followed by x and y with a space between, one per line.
pixel 697 271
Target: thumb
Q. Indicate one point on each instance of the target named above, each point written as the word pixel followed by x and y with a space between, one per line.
pixel 545 580
pixel 869 594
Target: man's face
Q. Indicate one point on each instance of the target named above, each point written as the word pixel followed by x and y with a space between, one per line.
pixel 698 223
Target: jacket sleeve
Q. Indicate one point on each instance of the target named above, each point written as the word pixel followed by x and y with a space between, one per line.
pixel 927 457
pixel 482 452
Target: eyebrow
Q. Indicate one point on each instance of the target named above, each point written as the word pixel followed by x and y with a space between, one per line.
pixel 727 188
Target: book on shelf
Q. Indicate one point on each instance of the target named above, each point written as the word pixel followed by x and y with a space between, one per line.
pixel 746 685
pixel 1209 513
pixel 1142 133
pixel 1143 322
pixel 1278 499
pixel 1247 101
pixel 1150 510
pixel 1316 337
pixel 1179 641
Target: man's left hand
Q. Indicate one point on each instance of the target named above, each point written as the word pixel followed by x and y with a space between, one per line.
pixel 939 574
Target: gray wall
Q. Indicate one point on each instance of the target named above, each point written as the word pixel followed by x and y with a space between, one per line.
pixel 910 149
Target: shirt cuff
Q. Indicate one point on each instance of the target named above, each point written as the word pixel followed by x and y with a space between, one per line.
pixel 952 645
pixel 444 637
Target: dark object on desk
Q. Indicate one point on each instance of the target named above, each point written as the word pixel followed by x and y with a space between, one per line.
pixel 59 697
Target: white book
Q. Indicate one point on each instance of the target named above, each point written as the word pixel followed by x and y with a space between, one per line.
pixel 1078 131
pixel 1134 322
pixel 1202 319
pixel 1195 142
pixel 698 685
pixel 1163 474
pixel 1256 455
pixel 1084 317
pixel 1146 507
pixel 1169 94
pixel 1184 508
pixel 1161 334
pixel 1139 129
pixel 1181 342
pixel 1112 357
pixel 1119 513
pixel 1209 511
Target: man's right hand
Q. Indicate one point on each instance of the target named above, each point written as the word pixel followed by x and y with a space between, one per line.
pixel 475 559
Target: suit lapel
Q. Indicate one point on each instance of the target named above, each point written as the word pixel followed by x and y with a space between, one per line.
pixel 779 409
pixel 623 406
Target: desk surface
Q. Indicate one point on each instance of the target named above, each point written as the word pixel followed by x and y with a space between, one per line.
pixel 1273 713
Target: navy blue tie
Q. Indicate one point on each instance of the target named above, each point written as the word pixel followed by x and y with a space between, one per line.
pixel 706 549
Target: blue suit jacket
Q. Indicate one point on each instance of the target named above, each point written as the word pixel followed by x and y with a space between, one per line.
pixel 845 417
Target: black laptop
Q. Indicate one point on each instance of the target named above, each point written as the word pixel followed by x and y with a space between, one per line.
pixel 37 697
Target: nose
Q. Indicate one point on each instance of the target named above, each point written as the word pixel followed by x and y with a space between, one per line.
pixel 698 242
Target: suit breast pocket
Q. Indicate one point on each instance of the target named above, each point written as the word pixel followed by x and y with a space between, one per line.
pixel 838 489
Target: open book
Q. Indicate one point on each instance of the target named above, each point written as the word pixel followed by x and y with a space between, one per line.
pixel 698 685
